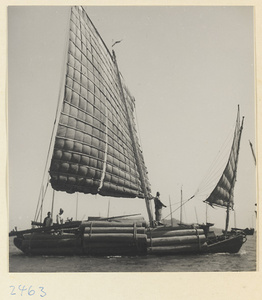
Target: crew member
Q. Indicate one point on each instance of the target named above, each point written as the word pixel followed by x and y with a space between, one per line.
pixel 59 219
pixel 158 208
pixel 48 220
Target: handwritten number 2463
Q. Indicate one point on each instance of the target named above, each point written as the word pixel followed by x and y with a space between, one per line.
pixel 30 291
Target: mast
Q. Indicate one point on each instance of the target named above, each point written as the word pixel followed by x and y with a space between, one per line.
pixel 52 208
pixel 108 209
pixel 255 161
pixel 206 212
pixel 196 215
pixel 171 212
pixel 181 204
pixel 235 175
pixel 140 170
pixel 253 152
pixel 76 204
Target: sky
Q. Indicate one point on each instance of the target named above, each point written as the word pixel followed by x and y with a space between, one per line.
pixel 188 69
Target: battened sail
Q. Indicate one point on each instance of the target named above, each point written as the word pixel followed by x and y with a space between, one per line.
pixel 93 150
pixel 223 193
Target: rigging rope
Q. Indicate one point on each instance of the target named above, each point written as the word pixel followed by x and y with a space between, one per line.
pixel 179 207
pixel 216 167
pixel 48 155
pixel 37 213
pixel 59 101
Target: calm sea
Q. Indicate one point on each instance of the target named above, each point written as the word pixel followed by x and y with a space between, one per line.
pixel 245 260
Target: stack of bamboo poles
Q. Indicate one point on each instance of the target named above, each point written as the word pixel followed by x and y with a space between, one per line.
pixel 163 241
pixel 113 238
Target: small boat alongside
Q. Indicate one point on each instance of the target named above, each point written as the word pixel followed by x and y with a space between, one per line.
pixel 247 231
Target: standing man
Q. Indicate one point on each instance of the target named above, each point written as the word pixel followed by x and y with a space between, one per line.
pixel 158 208
pixel 59 219
pixel 48 220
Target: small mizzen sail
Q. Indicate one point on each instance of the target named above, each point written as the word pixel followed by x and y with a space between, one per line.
pixel 223 193
pixel 96 148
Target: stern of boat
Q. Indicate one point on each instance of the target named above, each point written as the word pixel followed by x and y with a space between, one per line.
pixel 229 243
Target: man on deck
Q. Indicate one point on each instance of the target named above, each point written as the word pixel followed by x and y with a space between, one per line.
pixel 59 218
pixel 158 208
pixel 48 220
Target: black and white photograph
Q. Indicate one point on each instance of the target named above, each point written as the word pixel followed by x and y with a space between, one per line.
pixel 132 141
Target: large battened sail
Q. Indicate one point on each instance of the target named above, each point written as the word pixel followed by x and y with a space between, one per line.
pixel 93 149
pixel 223 194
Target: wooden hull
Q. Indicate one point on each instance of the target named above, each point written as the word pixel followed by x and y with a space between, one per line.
pixel 95 238
pixel 49 244
pixel 231 243
pixel 111 238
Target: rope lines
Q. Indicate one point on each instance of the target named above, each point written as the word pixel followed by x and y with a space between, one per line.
pixel 179 207
pixel 216 169
pixel 213 174
pixel 59 102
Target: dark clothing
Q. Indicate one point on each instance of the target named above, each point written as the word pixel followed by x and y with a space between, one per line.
pixel 158 203
pixel 158 208
pixel 47 221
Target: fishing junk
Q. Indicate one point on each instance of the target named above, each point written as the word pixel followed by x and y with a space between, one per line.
pixel 96 151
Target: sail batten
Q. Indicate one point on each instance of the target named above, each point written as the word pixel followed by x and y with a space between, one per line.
pixel 93 149
pixel 223 193
pixel 105 157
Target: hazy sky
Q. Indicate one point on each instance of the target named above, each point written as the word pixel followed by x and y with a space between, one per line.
pixel 187 67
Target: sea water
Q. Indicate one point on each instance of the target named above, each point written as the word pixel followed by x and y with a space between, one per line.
pixel 244 260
